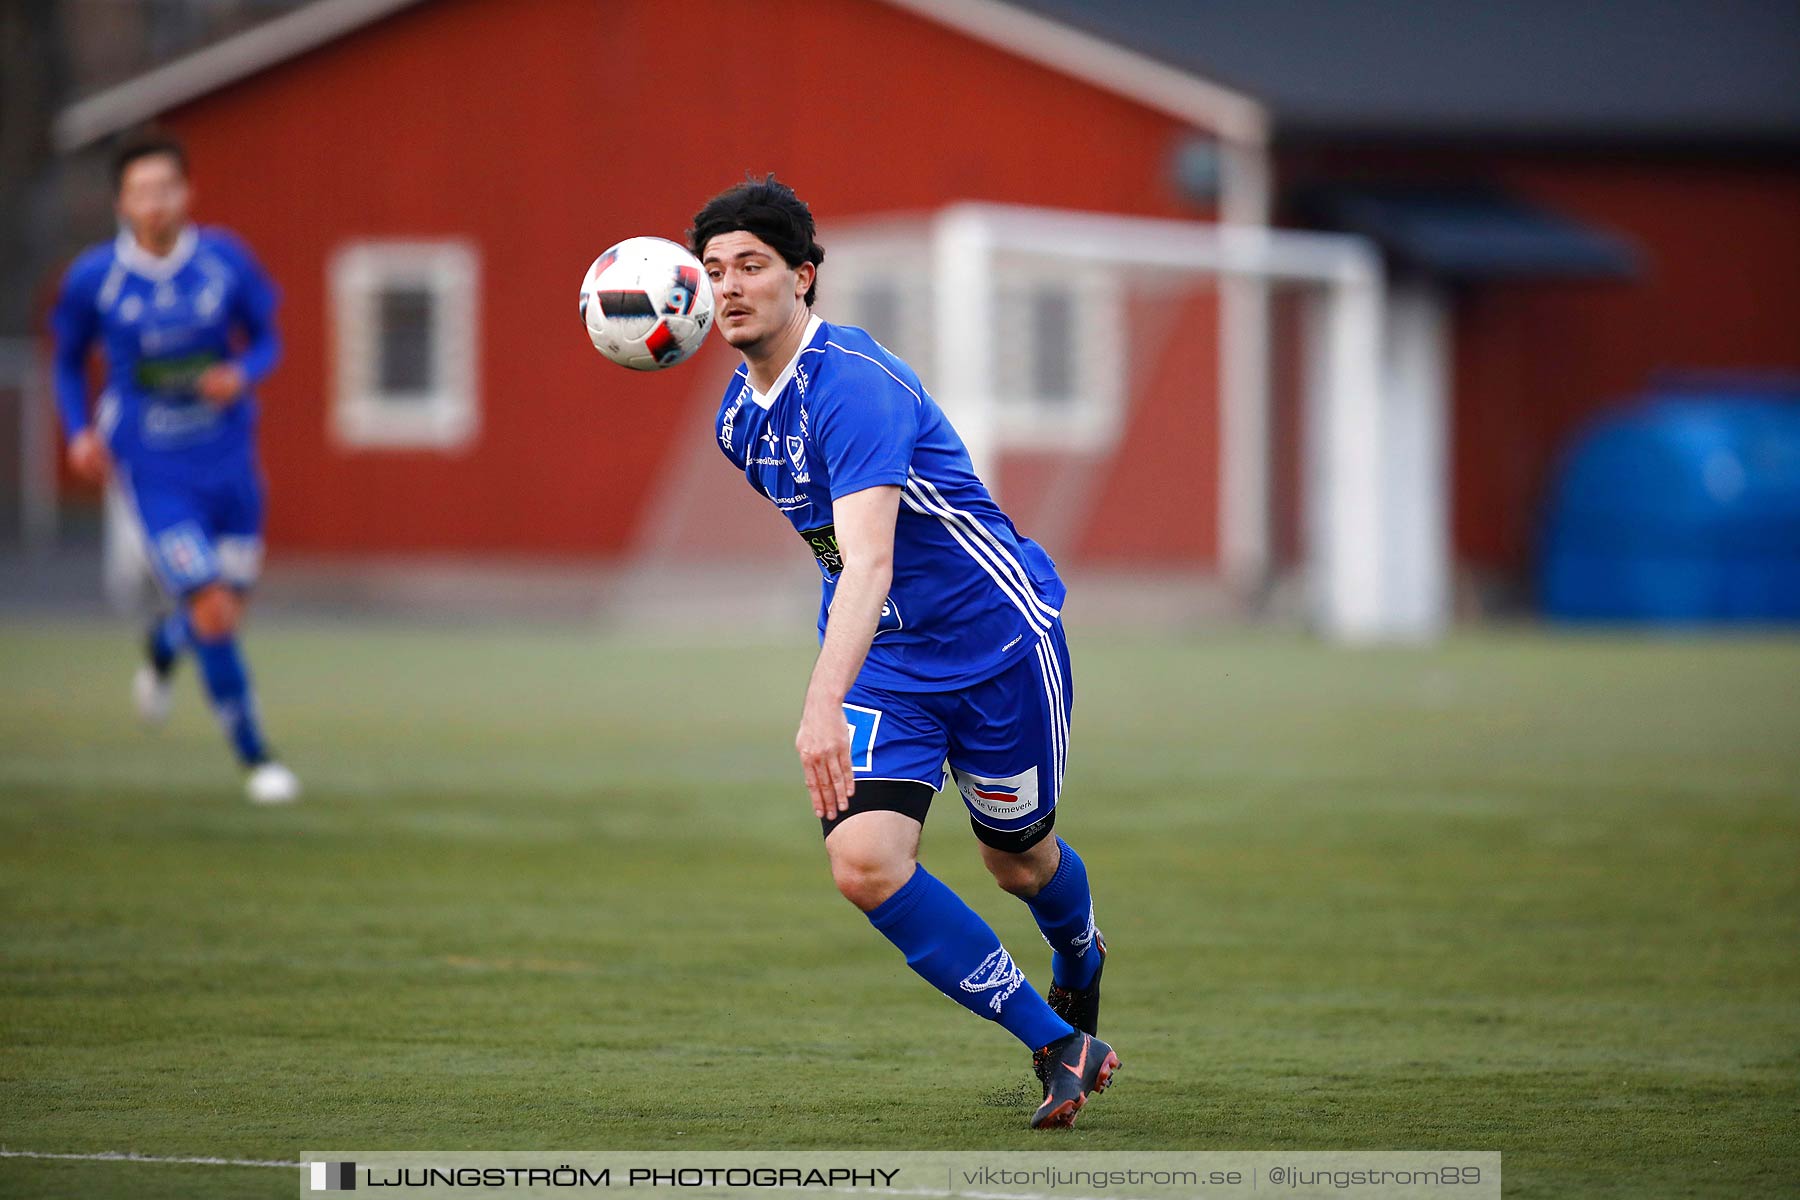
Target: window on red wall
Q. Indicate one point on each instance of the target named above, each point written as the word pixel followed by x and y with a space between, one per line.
pixel 405 330
pixel 1058 367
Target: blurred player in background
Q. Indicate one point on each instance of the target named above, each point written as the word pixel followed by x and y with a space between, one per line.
pixel 941 641
pixel 185 319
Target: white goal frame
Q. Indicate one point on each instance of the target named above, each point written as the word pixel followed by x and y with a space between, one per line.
pixel 1372 507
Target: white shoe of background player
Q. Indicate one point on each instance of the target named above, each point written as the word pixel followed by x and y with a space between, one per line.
pixel 153 696
pixel 272 783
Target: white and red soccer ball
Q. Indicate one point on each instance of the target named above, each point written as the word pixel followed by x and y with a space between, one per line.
pixel 647 303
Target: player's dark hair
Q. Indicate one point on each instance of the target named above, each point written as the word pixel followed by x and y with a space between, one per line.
pixel 769 209
pixel 146 145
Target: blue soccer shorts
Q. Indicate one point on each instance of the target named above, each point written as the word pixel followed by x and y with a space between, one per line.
pixel 199 531
pixel 1005 740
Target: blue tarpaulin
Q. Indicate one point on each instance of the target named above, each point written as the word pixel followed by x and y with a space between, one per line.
pixel 1684 508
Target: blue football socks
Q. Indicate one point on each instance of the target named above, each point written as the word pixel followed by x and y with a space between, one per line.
pixel 169 636
pixel 1064 909
pixel 228 684
pixel 948 944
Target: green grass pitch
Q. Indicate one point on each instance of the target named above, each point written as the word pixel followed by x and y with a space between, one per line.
pixel 1524 893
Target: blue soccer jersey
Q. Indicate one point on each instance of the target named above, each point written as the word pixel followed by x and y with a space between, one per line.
pixel 161 322
pixel 970 594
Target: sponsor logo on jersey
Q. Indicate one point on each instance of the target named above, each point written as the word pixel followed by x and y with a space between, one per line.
pixel 889 621
pixel 772 451
pixel 162 422
pixel 1008 798
pixel 996 974
pixel 822 541
pixel 725 427
pixel 175 375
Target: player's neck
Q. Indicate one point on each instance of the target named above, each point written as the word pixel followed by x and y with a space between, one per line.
pixel 158 245
pixel 771 356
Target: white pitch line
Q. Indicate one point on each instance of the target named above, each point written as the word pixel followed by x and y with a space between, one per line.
pixel 116 1156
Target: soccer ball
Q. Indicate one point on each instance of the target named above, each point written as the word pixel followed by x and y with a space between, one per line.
pixel 647 303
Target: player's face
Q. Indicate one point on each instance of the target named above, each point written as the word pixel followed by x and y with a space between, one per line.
pixel 153 199
pixel 756 293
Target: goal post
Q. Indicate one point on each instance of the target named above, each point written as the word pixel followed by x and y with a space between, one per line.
pixel 1348 532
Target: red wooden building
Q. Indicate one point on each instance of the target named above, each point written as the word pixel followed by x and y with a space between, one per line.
pixel 427 179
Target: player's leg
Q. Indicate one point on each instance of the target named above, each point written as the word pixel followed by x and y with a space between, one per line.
pixel 1009 742
pixel 897 753
pixel 162 514
pixel 1010 748
pixel 214 613
pixel 238 513
pixel 167 640
pixel 1052 880
pixel 152 686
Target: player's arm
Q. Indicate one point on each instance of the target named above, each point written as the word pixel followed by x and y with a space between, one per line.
pixel 253 315
pixel 74 324
pixel 864 523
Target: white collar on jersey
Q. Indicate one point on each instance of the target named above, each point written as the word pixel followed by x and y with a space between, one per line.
pixel 787 372
pixel 139 261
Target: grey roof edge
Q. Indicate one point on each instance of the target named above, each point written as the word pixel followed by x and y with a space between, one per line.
pixel 206 70
pixel 1054 44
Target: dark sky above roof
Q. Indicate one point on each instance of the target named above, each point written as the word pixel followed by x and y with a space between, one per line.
pixel 1696 69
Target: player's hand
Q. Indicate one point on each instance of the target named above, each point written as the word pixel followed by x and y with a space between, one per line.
pixel 824 746
pixel 88 457
pixel 221 383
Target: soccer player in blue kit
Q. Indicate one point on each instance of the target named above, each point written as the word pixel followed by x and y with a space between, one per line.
pixel 185 317
pixel 941 642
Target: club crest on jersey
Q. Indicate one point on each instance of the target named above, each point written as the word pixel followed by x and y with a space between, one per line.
pixel 1011 798
pixel 996 974
pixel 796 448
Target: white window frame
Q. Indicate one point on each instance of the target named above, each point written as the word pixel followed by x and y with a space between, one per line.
pixel 1093 416
pixel 892 256
pixel 363 417
pixel 1091 419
